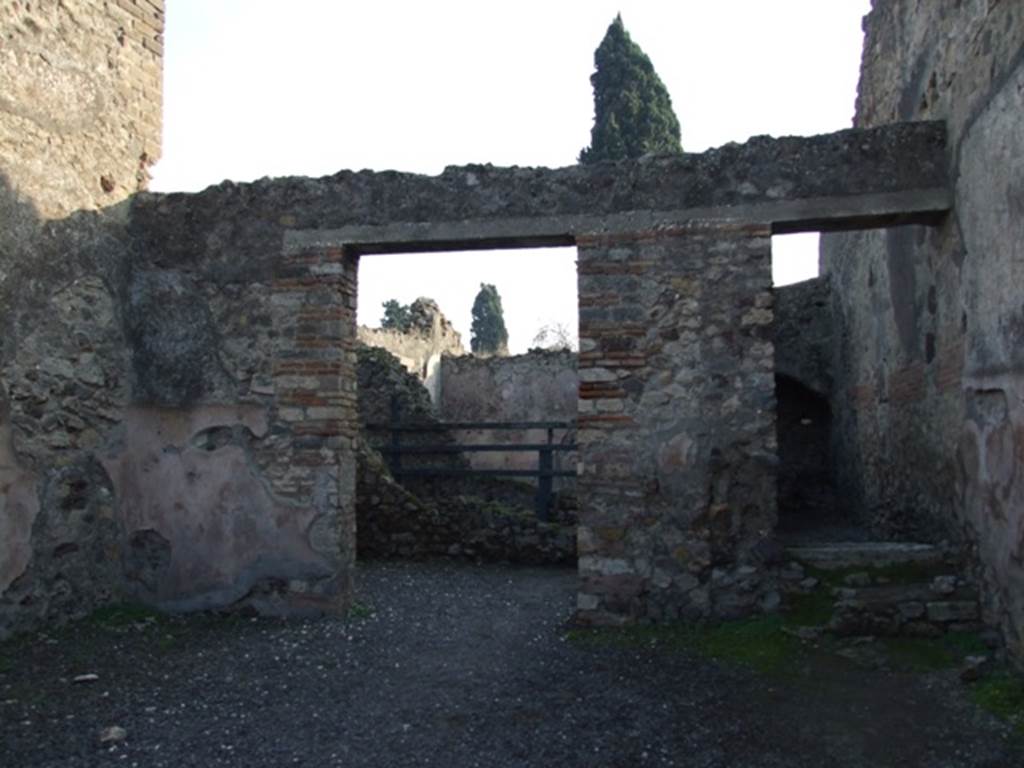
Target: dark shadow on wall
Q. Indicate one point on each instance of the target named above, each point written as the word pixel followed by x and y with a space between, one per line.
pixel 38 255
pixel 809 509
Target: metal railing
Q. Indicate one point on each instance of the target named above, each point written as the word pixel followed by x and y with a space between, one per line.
pixel 545 471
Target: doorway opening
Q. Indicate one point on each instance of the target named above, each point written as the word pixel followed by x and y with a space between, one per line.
pixel 479 440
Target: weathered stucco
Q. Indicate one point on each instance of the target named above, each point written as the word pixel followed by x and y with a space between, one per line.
pixel 929 368
pixel 80 107
pixel 537 386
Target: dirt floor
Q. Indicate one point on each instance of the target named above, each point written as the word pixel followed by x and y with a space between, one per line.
pixel 456 665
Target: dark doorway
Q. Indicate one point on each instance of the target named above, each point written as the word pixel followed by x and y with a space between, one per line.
pixel 808 507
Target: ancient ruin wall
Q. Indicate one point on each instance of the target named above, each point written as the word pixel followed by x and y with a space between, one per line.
pixel 537 386
pixel 803 334
pixel 676 421
pixel 80 108
pixel 79 126
pixel 929 395
pixel 179 412
pixel 421 346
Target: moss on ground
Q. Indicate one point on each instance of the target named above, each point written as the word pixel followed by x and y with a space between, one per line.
pixel 9 651
pixel 360 610
pixel 758 643
pixel 767 644
pixel 1002 694
pixel 123 615
pixel 921 654
pixel 809 610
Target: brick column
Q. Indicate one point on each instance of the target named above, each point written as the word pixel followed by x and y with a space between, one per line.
pixel 676 421
pixel 315 418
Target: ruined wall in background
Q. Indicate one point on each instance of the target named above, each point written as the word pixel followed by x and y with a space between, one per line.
pixel 676 422
pixel 79 127
pixel 419 347
pixel 537 386
pixel 929 399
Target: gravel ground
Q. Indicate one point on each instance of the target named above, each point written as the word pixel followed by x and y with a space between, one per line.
pixel 456 666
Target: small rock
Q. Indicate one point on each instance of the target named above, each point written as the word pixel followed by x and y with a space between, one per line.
pixel 793 571
pixel 954 610
pixel 770 602
pixel 911 610
pixel 86 678
pixel 944 585
pixel 112 734
pixel 807 634
pixel 809 583
pixel 973 668
pixel 861 579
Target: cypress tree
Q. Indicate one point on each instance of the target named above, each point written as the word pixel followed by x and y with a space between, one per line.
pixel 632 109
pixel 488 330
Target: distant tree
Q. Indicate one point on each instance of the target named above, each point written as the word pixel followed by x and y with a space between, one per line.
pixel 554 335
pixel 632 109
pixel 396 316
pixel 488 329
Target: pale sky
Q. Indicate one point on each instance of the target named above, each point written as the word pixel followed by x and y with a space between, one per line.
pixel 256 88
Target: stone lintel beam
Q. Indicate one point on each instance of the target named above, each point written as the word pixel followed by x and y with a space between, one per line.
pixel 828 214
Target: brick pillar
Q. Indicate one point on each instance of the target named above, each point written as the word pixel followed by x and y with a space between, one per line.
pixel 676 421
pixel 315 418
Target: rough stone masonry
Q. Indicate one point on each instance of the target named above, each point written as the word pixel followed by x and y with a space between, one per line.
pixel 179 409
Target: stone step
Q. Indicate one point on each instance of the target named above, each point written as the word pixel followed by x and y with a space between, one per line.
pixel 914 592
pixel 865 554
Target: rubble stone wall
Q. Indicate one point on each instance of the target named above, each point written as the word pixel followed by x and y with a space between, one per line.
pixel 79 127
pixel 420 348
pixel 178 416
pixel 537 386
pixel 676 421
pixel 803 334
pixel 80 108
pixel 930 368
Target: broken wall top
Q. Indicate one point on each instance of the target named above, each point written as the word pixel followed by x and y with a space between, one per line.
pixel 848 178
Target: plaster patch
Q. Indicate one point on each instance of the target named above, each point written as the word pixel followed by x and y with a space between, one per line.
pixel 224 531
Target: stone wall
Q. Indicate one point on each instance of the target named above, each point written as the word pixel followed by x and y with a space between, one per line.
pixel 930 372
pixel 393 522
pixel 421 346
pixel 80 109
pixel 537 386
pixel 803 334
pixel 79 127
pixel 179 422
pixel 303 237
pixel 676 421
pixel 477 518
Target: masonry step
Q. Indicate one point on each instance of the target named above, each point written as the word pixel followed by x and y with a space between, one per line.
pixel 880 588
pixel 865 554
